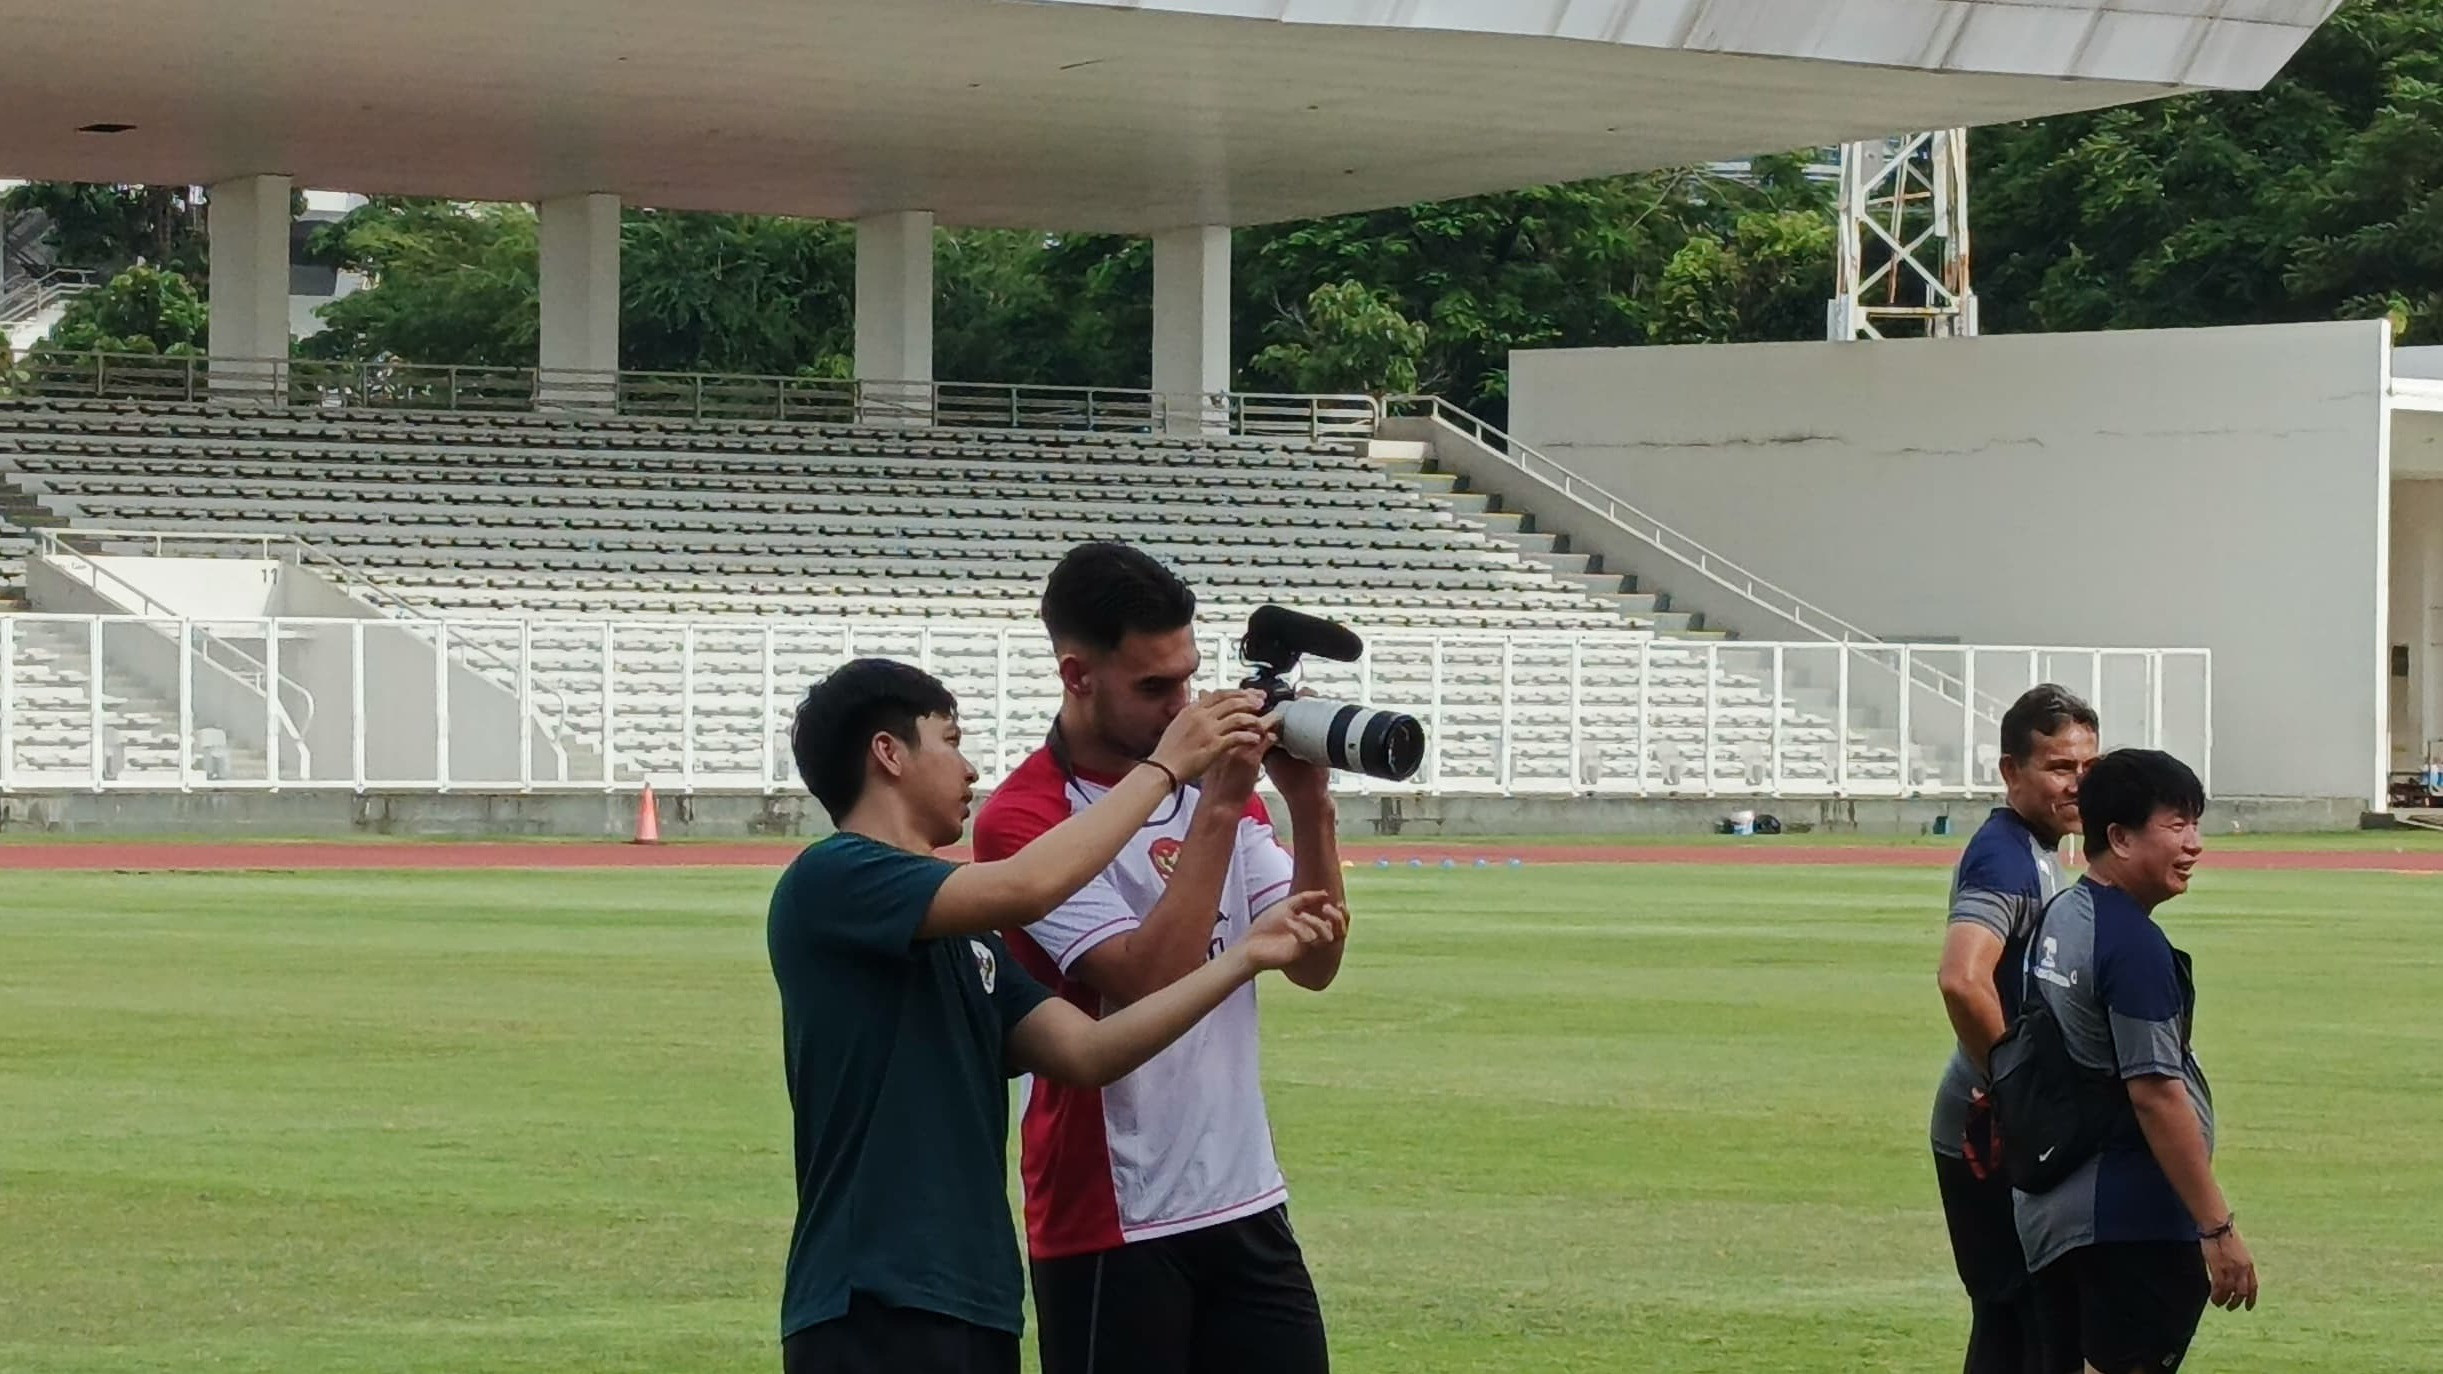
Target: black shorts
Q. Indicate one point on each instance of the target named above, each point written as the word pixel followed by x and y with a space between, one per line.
pixel 2005 1327
pixel 2124 1308
pixel 873 1339
pixel 1984 1230
pixel 1228 1299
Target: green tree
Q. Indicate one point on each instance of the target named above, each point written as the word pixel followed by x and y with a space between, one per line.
pixel 1044 309
pixel 1348 337
pixel 451 285
pixel 1767 277
pixel 737 293
pixel 755 294
pixel 1428 296
pixel 2320 196
pixel 2373 234
pixel 1583 264
pixel 141 310
pixel 718 293
pixel 105 228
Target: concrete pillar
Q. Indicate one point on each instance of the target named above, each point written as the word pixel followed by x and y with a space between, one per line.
pixel 578 238
pixel 246 222
pixel 895 313
pixel 1192 324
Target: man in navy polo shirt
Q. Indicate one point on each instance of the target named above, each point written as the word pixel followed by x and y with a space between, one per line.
pixel 2128 1250
pixel 2005 876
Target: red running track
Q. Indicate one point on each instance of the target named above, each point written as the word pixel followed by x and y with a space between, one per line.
pixel 142 856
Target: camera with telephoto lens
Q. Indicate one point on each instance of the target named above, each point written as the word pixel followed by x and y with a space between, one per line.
pixel 1331 734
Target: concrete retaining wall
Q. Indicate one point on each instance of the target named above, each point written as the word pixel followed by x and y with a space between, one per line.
pixel 502 815
pixel 2040 489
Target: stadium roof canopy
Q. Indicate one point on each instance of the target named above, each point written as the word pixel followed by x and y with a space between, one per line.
pixel 1120 115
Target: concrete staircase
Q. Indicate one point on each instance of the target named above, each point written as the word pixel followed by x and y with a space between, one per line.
pixel 1412 461
pixel 1811 693
pixel 20 516
pixel 54 728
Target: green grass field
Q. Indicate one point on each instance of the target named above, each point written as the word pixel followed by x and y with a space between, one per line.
pixel 1654 1118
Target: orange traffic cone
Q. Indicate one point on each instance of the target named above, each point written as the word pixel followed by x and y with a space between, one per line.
pixel 648 819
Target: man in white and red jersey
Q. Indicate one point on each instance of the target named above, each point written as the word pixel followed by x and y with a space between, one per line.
pixel 1157 1217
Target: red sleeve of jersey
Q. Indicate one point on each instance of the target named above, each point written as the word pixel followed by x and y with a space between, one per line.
pixel 1026 804
pixel 1256 810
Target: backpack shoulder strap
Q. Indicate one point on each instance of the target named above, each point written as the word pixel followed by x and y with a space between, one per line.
pixel 2027 952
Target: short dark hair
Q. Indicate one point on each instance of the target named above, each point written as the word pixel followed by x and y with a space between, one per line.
pixel 2128 786
pixel 2042 710
pixel 1104 591
pixel 841 715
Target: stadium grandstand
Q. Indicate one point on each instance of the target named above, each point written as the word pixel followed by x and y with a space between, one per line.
pixel 929 542
pixel 240 572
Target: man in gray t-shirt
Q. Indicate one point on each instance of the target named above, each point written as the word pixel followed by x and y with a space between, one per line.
pixel 2005 876
pixel 2128 1249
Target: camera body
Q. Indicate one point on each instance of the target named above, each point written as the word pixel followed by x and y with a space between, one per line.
pixel 1332 734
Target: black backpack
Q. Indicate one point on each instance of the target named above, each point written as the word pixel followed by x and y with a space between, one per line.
pixel 2051 1112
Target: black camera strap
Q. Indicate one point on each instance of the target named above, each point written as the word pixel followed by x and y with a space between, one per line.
pixel 1056 744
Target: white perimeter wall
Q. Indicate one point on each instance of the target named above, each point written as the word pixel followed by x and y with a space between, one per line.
pixel 2218 488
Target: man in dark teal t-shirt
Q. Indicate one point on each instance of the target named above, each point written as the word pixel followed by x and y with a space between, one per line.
pixel 895 1054
pixel 903 1018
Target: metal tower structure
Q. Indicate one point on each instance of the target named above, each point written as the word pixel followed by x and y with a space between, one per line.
pixel 1904 262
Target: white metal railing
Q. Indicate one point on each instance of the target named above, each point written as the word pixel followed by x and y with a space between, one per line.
pixel 1707 563
pixel 27 298
pixel 705 705
pixel 396 386
pixel 289 706
pixel 78 548
pixel 1680 548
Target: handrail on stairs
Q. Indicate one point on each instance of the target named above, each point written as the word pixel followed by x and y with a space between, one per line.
pixel 1683 549
pixel 276 687
pixel 23 300
pixel 282 546
pixel 307 554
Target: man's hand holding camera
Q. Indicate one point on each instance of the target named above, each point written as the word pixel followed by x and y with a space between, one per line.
pixel 1230 779
pixel 1218 726
pixel 1306 787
